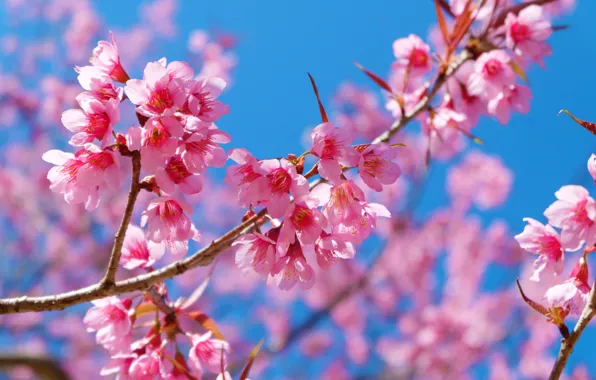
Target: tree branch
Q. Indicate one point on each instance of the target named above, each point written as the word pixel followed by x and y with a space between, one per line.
pixel 567 344
pixel 135 188
pixel 206 255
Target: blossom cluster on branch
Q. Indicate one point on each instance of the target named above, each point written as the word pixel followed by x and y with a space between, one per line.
pixel 303 221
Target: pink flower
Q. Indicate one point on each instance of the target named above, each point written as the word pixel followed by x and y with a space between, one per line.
pixel 201 149
pixel 279 179
pixel 207 351
pixel 175 173
pixel 135 251
pixel 412 54
pixel 292 268
pixel 592 167
pixel 98 84
pixel 516 97
pixel 332 146
pixel 376 166
pixel 572 294
pixel 105 57
pixel 245 175
pixel 256 251
pixel 329 248
pixel 119 365
pixel 344 205
pixel 157 140
pixel 168 224
pixel 574 212
pixel 491 74
pixel 302 221
pixel 362 227
pixel 202 99
pixel 159 93
pixel 94 121
pixel 80 176
pixel 543 241
pixel 146 366
pixel 109 317
pixel 526 32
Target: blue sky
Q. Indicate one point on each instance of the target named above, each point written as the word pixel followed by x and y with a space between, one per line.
pixel 272 102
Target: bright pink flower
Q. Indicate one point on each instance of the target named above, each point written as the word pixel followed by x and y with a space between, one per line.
pixel 516 97
pixel 473 106
pixel 543 241
pixel 293 267
pixel 330 247
pixel 135 251
pixel 344 205
pixel 146 366
pixel 158 93
pixel 98 84
pixel 80 176
pixel 119 365
pixel 377 167
pixel 201 149
pixel 592 167
pixel 207 351
pixel 202 99
pixel 157 140
pixel 572 294
pixel 256 251
pixel 362 227
pixel 492 74
pixel 173 173
pixel 333 146
pixel 574 212
pixel 412 54
pixel 109 317
pixel 105 57
pixel 169 224
pixel 279 179
pixel 302 221
pixel 94 121
pixel 245 175
pixel 526 32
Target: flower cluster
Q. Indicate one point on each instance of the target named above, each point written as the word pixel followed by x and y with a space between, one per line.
pixel 321 224
pixel 177 141
pixel 571 227
pixel 157 354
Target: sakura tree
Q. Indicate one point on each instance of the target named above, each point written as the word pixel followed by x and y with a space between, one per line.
pixel 143 241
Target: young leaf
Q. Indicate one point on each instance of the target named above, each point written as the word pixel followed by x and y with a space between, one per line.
pixel 251 359
pixel 518 70
pixel 200 290
pixel 377 79
pixel 206 322
pixel 586 124
pixel 321 108
pixel 534 305
pixel 442 22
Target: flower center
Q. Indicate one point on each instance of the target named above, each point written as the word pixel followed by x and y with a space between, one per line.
pixel 520 32
pixel 176 170
pixel 492 67
pixel 160 100
pixel 418 58
pixel 280 181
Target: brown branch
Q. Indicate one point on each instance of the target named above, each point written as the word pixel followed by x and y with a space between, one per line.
pixel 135 188
pixel 567 344
pixel 45 368
pixel 206 255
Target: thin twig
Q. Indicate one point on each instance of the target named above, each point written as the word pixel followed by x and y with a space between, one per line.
pixel 206 255
pixel 568 344
pixel 135 188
